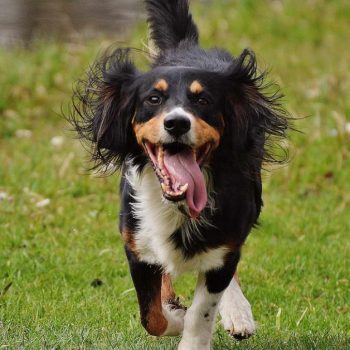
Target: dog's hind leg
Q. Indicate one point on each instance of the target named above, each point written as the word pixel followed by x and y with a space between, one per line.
pixel 235 311
pixel 158 318
pixel 172 309
pixel 169 298
pixel 168 292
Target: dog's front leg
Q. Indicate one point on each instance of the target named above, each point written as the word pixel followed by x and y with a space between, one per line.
pixel 160 315
pixel 200 317
pixel 235 311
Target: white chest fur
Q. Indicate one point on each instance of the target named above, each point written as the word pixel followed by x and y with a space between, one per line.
pixel 158 220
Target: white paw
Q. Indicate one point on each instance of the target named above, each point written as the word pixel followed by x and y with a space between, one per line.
pixel 175 318
pixel 236 313
pixel 191 344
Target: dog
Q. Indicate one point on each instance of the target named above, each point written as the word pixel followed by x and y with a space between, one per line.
pixel 191 136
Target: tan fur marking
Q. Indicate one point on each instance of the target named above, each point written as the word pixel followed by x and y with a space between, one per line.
pixel 150 130
pixel 233 246
pixel 196 87
pixel 129 240
pixel 206 133
pixel 156 322
pixel 168 292
pixel 161 85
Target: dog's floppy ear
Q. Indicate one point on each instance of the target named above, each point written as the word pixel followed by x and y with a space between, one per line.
pixel 103 106
pixel 254 119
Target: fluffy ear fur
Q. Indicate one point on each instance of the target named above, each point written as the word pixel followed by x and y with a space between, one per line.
pixel 103 106
pixel 255 120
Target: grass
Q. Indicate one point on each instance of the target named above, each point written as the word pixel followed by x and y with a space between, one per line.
pixel 58 229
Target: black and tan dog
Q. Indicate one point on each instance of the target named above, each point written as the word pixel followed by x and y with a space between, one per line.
pixel 190 135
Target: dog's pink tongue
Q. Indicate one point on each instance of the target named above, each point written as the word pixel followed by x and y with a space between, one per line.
pixel 184 169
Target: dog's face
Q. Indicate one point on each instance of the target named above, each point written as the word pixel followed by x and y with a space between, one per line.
pixel 177 116
pixel 178 122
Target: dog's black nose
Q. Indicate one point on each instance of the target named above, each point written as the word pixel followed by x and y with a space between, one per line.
pixel 177 125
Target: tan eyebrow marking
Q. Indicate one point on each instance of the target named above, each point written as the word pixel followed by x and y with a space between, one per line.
pixel 196 87
pixel 161 85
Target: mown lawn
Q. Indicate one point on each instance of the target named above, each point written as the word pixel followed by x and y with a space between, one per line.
pixel 58 231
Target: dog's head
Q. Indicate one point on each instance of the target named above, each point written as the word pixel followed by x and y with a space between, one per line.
pixel 178 122
pixel 192 105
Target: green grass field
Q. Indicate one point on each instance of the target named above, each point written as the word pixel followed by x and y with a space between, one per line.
pixel 58 230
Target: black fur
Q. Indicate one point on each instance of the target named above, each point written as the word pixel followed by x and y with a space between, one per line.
pixel 102 107
pixel 217 280
pixel 170 23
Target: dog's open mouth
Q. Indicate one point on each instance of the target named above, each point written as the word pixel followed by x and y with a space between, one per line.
pixel 178 169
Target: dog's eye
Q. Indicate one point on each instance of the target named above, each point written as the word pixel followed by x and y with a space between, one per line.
pixel 154 100
pixel 202 101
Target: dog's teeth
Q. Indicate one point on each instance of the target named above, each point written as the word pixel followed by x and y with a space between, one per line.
pixel 183 188
pixel 164 187
pixel 160 156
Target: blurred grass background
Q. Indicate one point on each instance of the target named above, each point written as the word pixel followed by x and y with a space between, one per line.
pixel 64 281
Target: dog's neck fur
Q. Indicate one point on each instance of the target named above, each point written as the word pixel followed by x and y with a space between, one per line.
pixel 158 219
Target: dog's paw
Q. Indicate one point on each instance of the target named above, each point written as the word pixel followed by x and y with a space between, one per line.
pixel 236 313
pixel 191 344
pixel 174 313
